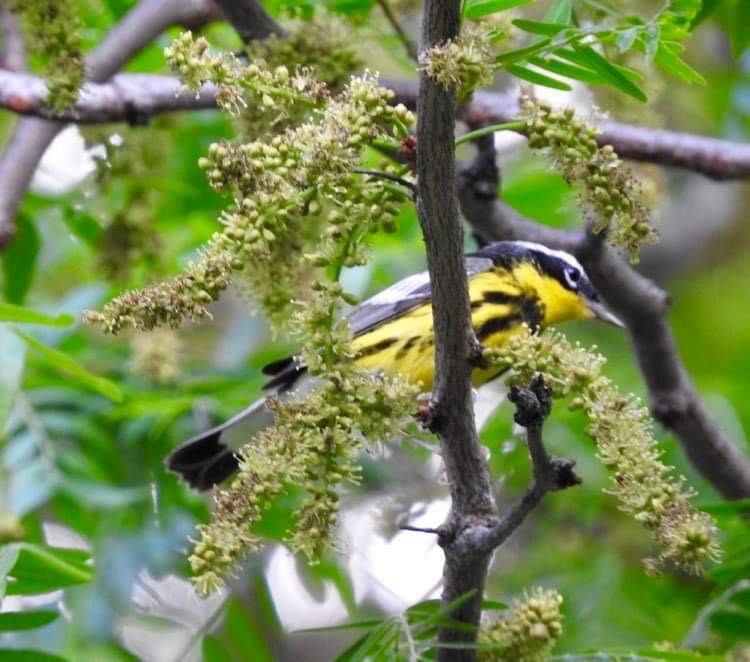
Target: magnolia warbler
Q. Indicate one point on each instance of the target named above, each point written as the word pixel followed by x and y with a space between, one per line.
pixel 511 283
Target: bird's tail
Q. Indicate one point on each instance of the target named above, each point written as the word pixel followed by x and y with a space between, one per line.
pixel 209 458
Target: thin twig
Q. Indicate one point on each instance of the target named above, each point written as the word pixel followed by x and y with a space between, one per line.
pixel 389 176
pixel 408 44
pixel 419 529
pixel 550 474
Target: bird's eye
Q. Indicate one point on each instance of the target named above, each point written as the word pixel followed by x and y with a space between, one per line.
pixel 573 276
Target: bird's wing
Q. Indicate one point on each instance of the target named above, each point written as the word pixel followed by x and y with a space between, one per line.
pixel 404 295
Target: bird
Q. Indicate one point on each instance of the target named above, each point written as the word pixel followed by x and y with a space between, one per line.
pixel 511 283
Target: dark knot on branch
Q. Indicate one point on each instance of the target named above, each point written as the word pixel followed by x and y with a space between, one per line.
pixel 533 404
pixel 563 474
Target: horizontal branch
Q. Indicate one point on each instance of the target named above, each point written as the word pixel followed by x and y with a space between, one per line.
pixel 713 157
pixel 131 98
pixel 249 19
pixel 143 23
pixel 640 303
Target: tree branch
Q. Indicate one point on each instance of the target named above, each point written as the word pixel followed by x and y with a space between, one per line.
pixel 715 158
pixel 131 98
pixel 407 43
pixel 249 19
pixel 640 304
pixel 452 414
pixel 13 55
pixel 32 136
pixel 533 405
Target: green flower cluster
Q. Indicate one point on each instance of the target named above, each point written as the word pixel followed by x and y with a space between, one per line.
pixel 621 427
pixel 462 64
pixel 296 202
pixel 313 444
pixel 156 355
pixel 53 31
pixel 240 85
pixel 168 303
pixel 322 48
pixel 129 241
pixel 607 187
pixel 528 633
pixel 324 44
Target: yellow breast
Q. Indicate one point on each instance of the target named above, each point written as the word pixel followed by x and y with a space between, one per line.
pixel 501 302
pixel 406 344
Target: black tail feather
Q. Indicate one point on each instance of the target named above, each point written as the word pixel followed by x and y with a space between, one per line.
pixel 203 462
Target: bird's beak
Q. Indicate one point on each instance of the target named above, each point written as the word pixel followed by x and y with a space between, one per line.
pixel 601 313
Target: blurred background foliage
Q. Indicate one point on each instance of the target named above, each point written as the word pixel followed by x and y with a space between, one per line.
pixel 95 529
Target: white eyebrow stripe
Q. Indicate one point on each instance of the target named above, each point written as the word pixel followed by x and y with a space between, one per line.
pixel 561 255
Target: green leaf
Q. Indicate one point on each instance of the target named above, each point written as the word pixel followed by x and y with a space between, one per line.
pixel 477 8
pixel 561 11
pixel 738 508
pixel 10 312
pixel 19 260
pixel 26 620
pixel 741 599
pixel 486 130
pixel 24 655
pixel 82 225
pixel 354 625
pixel 535 77
pixel 668 59
pixel 8 558
pixel 504 59
pixel 677 19
pixel 493 605
pixel 626 39
pixel 375 645
pixel 653 37
pixel 588 58
pixel 708 7
pixel 103 652
pixel 65 364
pixel 12 355
pixel 733 624
pixel 244 634
pixel 620 654
pixel 536 27
pixel 350 6
pixel 431 612
pixel 214 650
pixel 740 28
pixel 565 69
pixel 39 569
